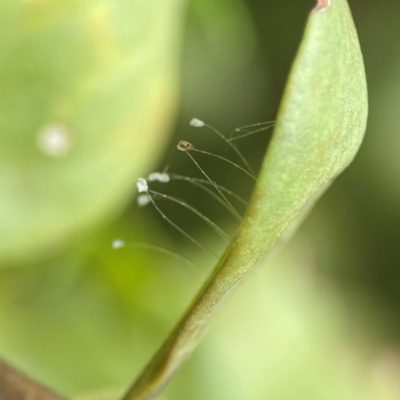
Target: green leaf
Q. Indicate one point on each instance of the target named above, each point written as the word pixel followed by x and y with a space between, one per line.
pixel 320 126
pixel 88 90
pixel 108 394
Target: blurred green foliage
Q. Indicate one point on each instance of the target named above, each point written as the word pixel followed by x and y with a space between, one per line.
pixel 87 91
pixel 320 322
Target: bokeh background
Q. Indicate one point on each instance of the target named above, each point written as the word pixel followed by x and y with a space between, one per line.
pixel 94 94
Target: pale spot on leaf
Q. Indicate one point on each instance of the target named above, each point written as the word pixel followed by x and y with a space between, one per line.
pixel 54 140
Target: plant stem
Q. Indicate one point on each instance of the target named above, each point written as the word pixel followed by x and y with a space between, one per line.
pixel 16 386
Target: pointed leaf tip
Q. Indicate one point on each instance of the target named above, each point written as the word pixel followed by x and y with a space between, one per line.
pixel 321 6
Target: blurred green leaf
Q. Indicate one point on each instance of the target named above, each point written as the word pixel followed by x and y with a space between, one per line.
pixel 86 321
pixel 319 129
pixel 107 394
pixel 88 89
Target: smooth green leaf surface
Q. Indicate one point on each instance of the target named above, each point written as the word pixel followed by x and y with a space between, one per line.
pixel 88 89
pixel 319 129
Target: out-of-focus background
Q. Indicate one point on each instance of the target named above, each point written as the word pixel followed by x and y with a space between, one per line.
pixel 94 94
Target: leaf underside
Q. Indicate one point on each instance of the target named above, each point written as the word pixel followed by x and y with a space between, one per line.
pixel 320 126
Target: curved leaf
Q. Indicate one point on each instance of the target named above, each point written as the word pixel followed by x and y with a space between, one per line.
pixel 320 126
pixel 87 94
